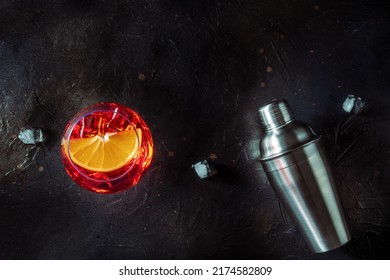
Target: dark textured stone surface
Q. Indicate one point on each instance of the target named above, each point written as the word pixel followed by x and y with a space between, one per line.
pixel 196 71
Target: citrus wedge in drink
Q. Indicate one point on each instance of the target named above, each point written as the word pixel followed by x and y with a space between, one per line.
pixel 104 153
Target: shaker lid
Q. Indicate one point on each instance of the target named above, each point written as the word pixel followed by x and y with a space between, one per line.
pixel 275 113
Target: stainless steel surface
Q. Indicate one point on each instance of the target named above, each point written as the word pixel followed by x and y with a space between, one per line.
pixel 299 171
pixel 275 114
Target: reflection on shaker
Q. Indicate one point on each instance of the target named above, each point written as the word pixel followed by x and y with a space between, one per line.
pixel 299 171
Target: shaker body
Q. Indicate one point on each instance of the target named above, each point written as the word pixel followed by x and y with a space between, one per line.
pixel 301 175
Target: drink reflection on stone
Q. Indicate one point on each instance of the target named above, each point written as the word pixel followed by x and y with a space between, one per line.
pixel 106 148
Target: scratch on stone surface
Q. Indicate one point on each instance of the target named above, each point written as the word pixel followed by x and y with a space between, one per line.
pixel 290 230
pixel 239 154
pixel 369 243
pixel 96 88
pixel 245 153
pixel 164 146
pixel 72 85
pixel 28 161
pixel 173 43
pixel 129 90
pixel 5 42
pixel 322 15
pixel 280 59
pixel 127 35
pixel 337 133
pixel 47 162
pixel 358 29
pixel 236 232
pixel 380 213
pixel 175 65
pixel 227 77
pixel 217 5
pixel 269 228
pixel 37 99
pixel 298 84
pixel 117 245
pixel 358 203
pixel 157 167
pixel 139 204
pixel 115 202
pixel 237 100
pixel 281 209
pixel 249 149
pixel 18 169
pixel 374 224
pixel 348 124
pixel 144 250
pixel 384 119
pixel 346 151
pixel 9 144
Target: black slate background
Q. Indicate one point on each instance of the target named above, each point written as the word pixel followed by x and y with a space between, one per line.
pixel 196 71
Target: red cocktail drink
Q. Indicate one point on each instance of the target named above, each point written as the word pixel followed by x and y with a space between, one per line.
pixel 106 148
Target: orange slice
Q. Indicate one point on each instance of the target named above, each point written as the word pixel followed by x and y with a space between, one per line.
pixel 104 153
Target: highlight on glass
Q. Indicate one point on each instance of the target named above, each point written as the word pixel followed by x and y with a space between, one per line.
pixel 106 148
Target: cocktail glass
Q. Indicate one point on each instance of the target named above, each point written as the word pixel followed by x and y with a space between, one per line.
pixel 106 148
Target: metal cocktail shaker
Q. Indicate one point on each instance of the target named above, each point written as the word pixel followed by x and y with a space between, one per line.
pixel 299 171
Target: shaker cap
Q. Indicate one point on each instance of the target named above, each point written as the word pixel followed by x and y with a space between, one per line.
pixel 275 113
